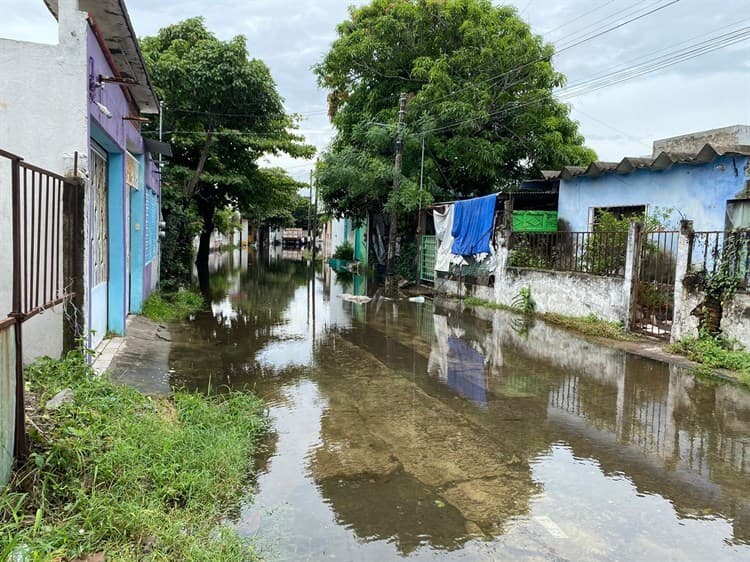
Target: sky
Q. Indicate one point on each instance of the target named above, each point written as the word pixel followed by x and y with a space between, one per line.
pixel 706 92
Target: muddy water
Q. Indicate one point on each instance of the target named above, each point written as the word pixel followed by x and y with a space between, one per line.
pixel 419 431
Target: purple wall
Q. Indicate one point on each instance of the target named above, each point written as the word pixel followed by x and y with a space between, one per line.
pixel 117 136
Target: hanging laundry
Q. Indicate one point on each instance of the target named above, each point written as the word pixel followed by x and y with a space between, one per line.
pixel 443 226
pixel 473 220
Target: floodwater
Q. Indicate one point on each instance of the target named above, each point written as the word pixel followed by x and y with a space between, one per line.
pixel 421 432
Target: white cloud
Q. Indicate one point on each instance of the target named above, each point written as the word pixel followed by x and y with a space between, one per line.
pixel 292 35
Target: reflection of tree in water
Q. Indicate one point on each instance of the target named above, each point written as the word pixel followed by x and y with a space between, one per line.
pixel 223 346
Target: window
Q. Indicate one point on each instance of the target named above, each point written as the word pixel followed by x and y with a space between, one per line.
pixel 738 214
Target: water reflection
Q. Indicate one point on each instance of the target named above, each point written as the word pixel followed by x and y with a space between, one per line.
pixel 406 430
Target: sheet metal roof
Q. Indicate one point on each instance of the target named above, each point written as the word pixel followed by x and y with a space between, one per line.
pixel 111 16
pixel 663 161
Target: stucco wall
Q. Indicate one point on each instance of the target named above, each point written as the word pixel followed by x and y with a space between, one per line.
pixel 571 294
pixel 735 323
pixel 698 193
pixel 43 120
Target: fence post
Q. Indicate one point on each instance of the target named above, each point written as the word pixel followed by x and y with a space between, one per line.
pixel 632 272
pixel 20 443
pixel 684 250
pixel 74 238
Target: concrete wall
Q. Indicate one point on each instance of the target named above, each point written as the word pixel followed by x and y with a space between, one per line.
pixel 43 120
pixel 693 142
pixel 698 193
pixel 735 321
pixel 559 292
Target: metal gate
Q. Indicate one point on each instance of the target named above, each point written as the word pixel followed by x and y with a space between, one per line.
pixel 99 245
pixel 653 298
pixel 427 258
pixel 41 230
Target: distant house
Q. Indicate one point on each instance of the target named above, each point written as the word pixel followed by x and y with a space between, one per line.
pixel 86 96
pixel 704 177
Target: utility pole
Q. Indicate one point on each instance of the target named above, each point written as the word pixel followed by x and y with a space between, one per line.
pixel 309 208
pixel 390 280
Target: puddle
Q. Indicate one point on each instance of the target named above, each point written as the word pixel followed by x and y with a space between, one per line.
pixel 408 430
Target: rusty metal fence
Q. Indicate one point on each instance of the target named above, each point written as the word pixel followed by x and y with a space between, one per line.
pixel 718 252
pixel 653 307
pixel 37 201
pixel 596 252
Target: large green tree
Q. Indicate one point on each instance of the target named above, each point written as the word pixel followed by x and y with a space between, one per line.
pixel 480 88
pixel 223 112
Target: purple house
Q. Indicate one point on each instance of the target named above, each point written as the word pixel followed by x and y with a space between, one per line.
pixel 88 95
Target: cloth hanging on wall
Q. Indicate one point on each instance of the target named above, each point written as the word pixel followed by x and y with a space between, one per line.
pixel 473 220
pixel 443 226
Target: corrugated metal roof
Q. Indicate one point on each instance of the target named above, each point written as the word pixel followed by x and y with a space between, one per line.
pixel 663 161
pixel 112 18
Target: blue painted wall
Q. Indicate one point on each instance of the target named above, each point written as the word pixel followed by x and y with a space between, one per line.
pixel 698 193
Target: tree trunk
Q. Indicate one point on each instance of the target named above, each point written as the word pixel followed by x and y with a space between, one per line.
pixel 193 183
pixel 204 247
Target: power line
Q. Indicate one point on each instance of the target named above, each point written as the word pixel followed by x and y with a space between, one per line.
pixel 616 77
pixel 546 58
pixel 617 26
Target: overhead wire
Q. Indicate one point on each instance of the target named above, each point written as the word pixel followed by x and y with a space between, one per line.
pixel 536 60
pixel 605 80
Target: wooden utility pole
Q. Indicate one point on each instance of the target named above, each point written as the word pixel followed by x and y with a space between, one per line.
pixel 390 280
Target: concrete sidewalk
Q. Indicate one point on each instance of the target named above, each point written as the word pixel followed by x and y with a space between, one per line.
pixel 140 359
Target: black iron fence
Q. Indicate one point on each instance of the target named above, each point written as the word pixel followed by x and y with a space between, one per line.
pixel 596 252
pixel 721 256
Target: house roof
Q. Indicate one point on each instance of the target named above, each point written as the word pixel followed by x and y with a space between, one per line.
pixel 663 161
pixel 111 17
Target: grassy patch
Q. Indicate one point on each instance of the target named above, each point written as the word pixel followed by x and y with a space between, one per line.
pixel 168 307
pixel 589 325
pixel 136 478
pixel 716 353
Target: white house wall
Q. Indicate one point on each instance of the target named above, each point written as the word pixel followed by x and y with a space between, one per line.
pixel 43 119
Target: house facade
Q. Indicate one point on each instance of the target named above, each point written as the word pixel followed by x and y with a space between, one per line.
pixel 75 108
pixel 704 177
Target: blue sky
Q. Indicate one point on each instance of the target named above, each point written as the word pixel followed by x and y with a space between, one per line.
pixel 290 36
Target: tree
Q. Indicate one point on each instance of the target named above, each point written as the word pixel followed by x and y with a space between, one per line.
pixel 223 113
pixel 480 87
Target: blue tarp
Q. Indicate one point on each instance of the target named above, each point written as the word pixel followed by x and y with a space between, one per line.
pixel 472 225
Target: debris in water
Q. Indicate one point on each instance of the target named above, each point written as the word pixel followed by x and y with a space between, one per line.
pixel 355 298
pixel 419 299
pixel 551 527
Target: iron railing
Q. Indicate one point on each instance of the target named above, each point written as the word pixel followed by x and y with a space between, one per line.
pixel 38 278
pixel 727 253
pixel 597 252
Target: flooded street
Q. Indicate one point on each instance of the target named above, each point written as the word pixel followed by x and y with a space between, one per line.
pixel 417 431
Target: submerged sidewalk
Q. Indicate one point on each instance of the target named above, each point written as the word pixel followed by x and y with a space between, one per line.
pixel 140 359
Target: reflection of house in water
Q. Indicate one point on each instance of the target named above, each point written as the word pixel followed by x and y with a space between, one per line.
pixel 669 435
pixel 672 436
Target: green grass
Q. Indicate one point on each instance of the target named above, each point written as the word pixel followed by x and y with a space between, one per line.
pixel 168 307
pixel 134 477
pixel 715 353
pixel 589 325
